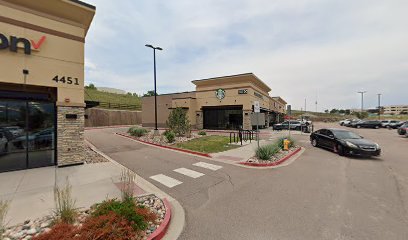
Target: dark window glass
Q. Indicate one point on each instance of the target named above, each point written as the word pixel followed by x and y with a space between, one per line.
pixel 223 118
pixel 323 132
pixel 27 134
pixel 41 126
pixel 13 153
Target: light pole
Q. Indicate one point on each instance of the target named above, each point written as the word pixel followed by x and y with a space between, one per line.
pixel 379 105
pixel 362 100
pixel 156 131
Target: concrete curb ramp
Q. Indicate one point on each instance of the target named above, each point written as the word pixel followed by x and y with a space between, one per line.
pixel 174 222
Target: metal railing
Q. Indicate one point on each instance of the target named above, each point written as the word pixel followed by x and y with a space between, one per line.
pixel 242 136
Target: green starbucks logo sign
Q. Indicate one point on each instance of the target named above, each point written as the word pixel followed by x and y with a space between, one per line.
pixel 220 93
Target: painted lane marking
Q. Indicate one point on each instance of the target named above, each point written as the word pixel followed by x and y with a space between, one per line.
pixel 165 180
pixel 207 165
pixel 189 172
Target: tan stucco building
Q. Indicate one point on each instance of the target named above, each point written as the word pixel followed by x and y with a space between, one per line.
pixel 219 103
pixel 42 82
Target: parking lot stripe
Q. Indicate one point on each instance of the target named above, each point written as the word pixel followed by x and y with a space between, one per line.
pixel 165 180
pixel 208 166
pixel 189 172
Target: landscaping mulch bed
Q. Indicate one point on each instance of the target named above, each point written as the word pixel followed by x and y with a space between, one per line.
pixel 280 155
pixel 161 140
pixel 31 228
pixel 93 157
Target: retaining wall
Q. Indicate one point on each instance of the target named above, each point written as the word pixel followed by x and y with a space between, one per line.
pixel 96 117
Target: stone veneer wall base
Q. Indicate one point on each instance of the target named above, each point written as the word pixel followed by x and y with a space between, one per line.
pixel 70 136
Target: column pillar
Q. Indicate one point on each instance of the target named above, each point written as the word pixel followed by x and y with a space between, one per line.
pixel 199 119
pixel 246 118
pixel 70 135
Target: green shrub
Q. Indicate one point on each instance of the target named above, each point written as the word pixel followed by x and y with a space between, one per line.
pixel 137 132
pixel 170 136
pixel 65 210
pixel 267 151
pixel 202 133
pixel 178 122
pixel 126 209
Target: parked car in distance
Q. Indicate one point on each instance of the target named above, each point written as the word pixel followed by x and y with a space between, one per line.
pixel 344 142
pixel 396 125
pixel 403 129
pixel 367 124
pixel 351 122
pixel 386 123
pixel 294 125
pixel 345 121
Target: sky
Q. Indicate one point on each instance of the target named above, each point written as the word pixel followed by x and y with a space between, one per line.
pixel 318 50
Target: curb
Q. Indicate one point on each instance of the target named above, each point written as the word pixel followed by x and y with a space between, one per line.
pixel 177 221
pixel 107 127
pixel 167 147
pixel 162 229
pixel 280 161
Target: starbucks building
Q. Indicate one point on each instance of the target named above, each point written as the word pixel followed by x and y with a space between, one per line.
pixel 42 82
pixel 220 103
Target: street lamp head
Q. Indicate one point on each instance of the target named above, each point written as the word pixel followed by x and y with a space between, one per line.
pixel 159 48
pixel 148 45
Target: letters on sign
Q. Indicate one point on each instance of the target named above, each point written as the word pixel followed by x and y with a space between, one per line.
pixel 243 91
pixel 13 42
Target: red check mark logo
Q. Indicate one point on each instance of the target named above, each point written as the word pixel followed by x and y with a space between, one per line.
pixel 37 45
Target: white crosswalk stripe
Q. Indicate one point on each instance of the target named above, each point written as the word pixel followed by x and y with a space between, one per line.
pixel 207 166
pixel 189 172
pixel 166 181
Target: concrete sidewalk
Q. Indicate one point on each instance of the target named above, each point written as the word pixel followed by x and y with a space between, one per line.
pixel 248 150
pixel 31 191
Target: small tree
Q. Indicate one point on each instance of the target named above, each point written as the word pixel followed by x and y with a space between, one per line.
pixel 361 115
pixel 91 86
pixel 178 121
pixel 149 93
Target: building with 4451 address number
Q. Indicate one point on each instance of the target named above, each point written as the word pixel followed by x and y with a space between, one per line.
pixel 42 82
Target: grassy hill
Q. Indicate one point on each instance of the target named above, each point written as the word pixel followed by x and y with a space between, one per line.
pixel 115 100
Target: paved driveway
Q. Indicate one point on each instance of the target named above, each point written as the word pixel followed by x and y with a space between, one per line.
pixel 319 196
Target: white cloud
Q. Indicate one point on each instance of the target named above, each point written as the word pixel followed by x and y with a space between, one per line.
pixel 302 49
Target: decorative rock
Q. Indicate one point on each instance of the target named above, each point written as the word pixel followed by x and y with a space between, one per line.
pixel 32 231
pixel 44 224
pixel 31 228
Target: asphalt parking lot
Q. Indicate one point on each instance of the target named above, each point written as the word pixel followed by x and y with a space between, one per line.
pixel 321 195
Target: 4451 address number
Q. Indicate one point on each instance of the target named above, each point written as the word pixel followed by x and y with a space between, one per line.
pixel 66 80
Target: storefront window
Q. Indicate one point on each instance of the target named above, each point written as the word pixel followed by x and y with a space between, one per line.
pixel 223 117
pixel 27 135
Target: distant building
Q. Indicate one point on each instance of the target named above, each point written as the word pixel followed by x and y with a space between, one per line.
pixel 111 90
pixel 395 109
pixel 219 103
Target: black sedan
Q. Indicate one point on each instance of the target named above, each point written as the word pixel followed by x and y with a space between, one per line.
pixel 367 124
pixel 293 125
pixel 344 142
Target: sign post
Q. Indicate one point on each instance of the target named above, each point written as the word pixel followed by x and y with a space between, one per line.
pixel 289 112
pixel 257 110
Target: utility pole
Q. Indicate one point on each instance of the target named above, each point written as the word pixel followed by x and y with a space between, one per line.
pixel 305 105
pixel 362 100
pixel 379 105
